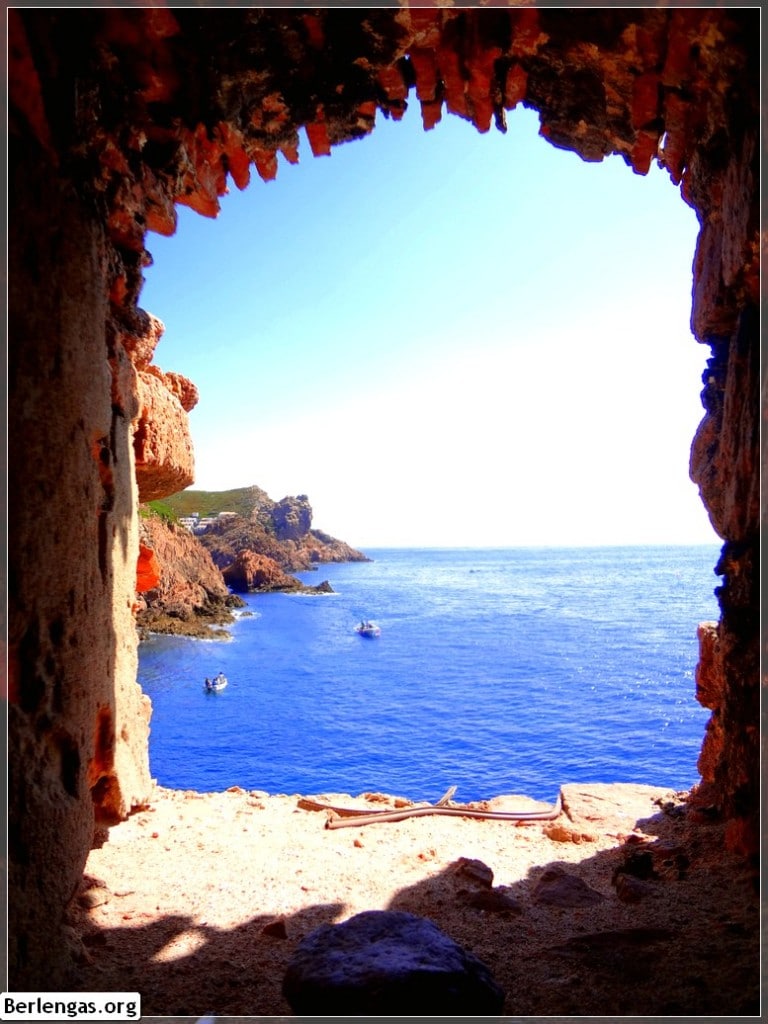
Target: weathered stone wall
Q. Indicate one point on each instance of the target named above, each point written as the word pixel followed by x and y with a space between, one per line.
pixel 722 184
pixel 77 719
pixel 116 115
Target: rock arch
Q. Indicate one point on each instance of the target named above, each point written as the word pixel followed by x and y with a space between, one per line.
pixel 119 113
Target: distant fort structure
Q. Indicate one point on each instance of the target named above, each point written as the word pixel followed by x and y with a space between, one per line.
pixel 195 524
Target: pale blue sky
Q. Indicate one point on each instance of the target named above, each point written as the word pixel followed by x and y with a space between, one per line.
pixel 445 338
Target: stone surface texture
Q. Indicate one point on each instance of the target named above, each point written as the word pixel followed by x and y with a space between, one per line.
pixel 115 115
pixel 186 588
pixel 385 962
pixel 280 530
pixel 252 572
pixel 162 441
pixel 292 518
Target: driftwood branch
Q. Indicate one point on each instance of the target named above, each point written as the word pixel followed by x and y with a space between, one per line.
pixel 344 817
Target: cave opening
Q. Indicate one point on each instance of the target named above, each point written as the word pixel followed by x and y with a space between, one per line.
pixel 154 106
pixel 473 316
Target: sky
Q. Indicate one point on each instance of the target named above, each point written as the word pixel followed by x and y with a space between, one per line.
pixel 445 339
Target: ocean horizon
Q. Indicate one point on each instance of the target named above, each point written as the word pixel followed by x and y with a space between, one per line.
pixel 498 670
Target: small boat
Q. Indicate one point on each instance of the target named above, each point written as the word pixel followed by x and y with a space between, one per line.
pixel 217 684
pixel 368 628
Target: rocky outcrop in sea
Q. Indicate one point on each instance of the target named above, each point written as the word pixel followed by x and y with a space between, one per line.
pixel 280 530
pixel 179 589
pixel 252 573
pixel 188 583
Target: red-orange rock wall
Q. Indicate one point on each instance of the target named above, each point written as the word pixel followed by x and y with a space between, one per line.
pixel 165 461
pixel 253 572
pixel 162 440
pixel 186 578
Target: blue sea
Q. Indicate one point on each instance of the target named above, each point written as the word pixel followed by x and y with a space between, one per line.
pixel 497 671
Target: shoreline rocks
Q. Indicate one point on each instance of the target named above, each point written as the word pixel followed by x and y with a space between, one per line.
pixel 253 573
pixel 188 583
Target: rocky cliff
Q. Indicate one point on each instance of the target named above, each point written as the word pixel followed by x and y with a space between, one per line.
pixel 162 443
pixel 252 573
pixel 226 539
pixel 182 591
pixel 280 530
pixel 184 580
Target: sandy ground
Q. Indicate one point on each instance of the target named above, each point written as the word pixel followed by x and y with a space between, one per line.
pixel 625 905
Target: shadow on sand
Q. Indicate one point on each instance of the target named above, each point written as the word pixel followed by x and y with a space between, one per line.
pixel 683 940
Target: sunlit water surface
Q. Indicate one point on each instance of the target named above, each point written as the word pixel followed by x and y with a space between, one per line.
pixel 497 671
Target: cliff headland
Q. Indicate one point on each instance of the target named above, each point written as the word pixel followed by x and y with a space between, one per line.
pixel 198 547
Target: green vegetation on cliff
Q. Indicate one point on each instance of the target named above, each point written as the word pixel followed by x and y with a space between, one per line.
pixel 160 509
pixel 278 530
pixel 242 500
pixel 253 549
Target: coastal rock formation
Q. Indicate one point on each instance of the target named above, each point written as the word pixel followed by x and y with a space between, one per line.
pixel 115 115
pixel 280 530
pixel 710 693
pixel 183 578
pixel 321 547
pixel 188 594
pixel 159 403
pixel 716 757
pixel 292 518
pixel 148 569
pixel 227 538
pixel 162 443
pixel 254 573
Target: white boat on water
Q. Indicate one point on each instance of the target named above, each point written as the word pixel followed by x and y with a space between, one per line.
pixel 217 684
pixel 368 628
